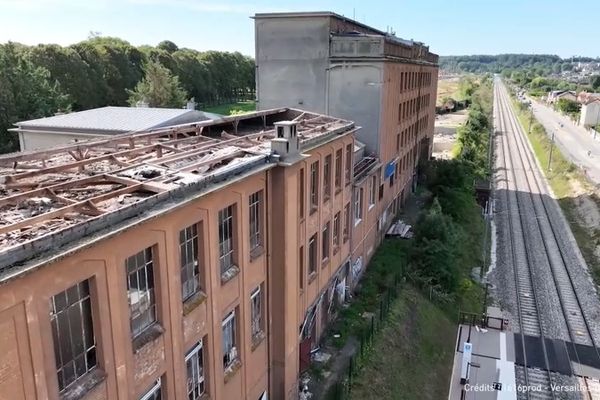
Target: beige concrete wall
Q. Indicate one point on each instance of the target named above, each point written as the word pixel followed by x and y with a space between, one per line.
pixel 44 140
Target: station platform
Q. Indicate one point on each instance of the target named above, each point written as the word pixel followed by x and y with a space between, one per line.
pixel 491 373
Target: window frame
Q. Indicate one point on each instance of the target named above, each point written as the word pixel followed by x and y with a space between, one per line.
pixel 255 209
pixel 347 219
pixel 226 217
pixel 338 170
pixel 325 242
pixel 327 177
pixel 230 317
pixel 348 164
pixel 372 191
pixel 312 254
pixel 198 348
pixel 56 312
pixel 195 276
pixel 314 186
pixel 153 390
pixel 336 232
pixel 256 327
pixel 152 294
pixel 358 206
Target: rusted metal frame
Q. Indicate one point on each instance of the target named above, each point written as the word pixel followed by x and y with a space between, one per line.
pixel 203 163
pixel 112 156
pixel 58 198
pixel 129 138
pixel 98 179
pixel 89 204
pixel 186 154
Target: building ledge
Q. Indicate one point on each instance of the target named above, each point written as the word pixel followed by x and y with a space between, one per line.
pixel 231 273
pixel 256 252
pixel 80 388
pixel 257 339
pixel 193 302
pixel 150 334
pixel 231 369
pixel 312 276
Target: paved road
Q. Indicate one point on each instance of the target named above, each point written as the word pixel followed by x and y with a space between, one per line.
pixel 572 140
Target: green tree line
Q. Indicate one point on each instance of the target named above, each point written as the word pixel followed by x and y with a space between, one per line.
pixel 37 81
pixel 449 235
pixel 542 64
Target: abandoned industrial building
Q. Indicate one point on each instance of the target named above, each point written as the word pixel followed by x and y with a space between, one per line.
pixel 204 260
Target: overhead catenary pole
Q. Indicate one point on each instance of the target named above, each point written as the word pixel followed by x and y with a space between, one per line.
pixel 550 155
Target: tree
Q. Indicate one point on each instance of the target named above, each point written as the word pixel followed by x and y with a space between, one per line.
pixel 168 46
pixel 595 82
pixel 568 106
pixel 26 92
pixel 158 88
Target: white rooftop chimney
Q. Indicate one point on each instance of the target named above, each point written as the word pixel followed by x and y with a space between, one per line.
pixel 141 104
pixel 286 143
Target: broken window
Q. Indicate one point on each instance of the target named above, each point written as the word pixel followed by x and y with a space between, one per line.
pixel 348 170
pixel 358 205
pixel 194 362
pixel 256 309
pixel 226 238
pixel 325 240
pixel 229 340
pixel 346 232
pixel 314 186
pixel 140 291
pixel 73 334
pixel 327 178
pixel 336 232
pixel 155 391
pixel 372 191
pixel 338 170
pixel 255 210
pixel 312 254
pixel 190 271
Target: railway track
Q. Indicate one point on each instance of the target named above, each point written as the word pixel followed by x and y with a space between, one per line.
pixel 527 195
pixel 529 318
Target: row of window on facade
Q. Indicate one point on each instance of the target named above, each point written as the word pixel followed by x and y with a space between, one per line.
pixel 71 310
pixel 409 107
pixel 410 133
pixel 315 179
pixel 412 80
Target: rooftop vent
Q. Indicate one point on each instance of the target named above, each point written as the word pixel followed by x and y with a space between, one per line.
pixel 287 143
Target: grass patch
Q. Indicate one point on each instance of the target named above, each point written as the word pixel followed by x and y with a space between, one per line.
pixel 233 108
pixel 561 175
pixel 447 88
pixel 386 266
pixel 412 356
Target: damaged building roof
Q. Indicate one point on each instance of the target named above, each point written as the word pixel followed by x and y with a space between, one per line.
pixel 46 192
pixel 111 120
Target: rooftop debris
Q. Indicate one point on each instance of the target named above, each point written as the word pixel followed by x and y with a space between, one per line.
pixel 43 192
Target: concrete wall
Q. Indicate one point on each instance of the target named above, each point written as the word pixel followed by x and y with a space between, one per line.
pixel 40 140
pixel 355 92
pixel 590 114
pixel 291 59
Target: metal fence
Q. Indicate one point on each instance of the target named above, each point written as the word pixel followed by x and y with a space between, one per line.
pixel 342 388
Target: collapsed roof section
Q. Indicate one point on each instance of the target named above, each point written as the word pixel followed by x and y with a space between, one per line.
pixel 45 192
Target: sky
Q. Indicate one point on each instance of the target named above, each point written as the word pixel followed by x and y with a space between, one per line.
pixel 450 27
